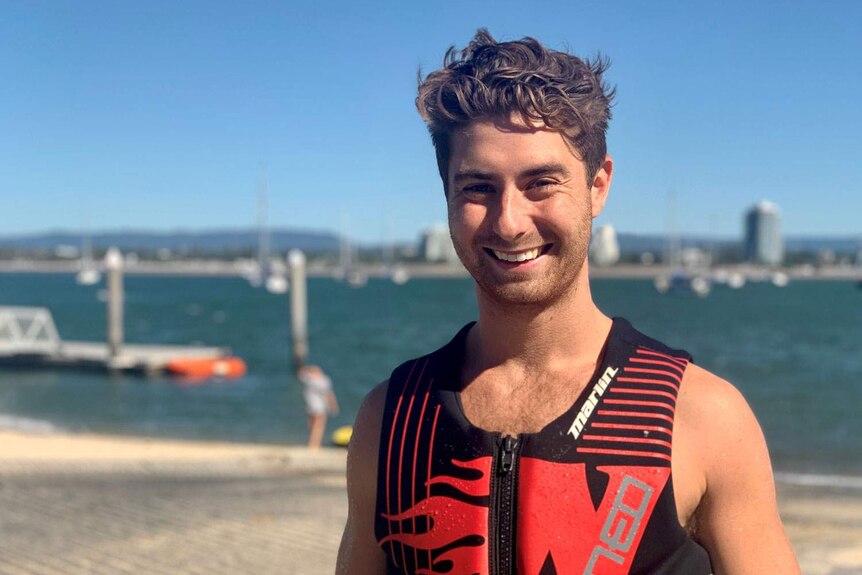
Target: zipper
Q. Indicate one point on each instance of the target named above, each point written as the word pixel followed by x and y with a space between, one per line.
pixel 504 512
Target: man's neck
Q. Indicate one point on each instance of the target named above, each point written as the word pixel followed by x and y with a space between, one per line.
pixel 563 337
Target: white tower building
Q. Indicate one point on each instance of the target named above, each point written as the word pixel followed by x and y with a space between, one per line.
pixel 604 247
pixel 435 245
pixel 763 241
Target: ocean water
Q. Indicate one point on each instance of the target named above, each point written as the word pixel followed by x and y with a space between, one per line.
pixel 794 352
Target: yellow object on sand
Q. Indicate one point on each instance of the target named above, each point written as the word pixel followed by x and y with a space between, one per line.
pixel 341 436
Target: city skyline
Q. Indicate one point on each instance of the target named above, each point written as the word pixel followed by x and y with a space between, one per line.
pixel 419 235
pixel 428 237
pixel 163 117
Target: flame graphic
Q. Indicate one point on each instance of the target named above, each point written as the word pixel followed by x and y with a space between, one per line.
pixel 464 560
pixel 451 523
pixel 478 487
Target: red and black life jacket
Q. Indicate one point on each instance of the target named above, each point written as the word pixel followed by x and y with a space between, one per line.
pixel 591 493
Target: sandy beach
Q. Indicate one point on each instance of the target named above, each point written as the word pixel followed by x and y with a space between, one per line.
pixel 82 504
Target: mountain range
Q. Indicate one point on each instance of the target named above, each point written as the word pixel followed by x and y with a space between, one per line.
pixel 281 240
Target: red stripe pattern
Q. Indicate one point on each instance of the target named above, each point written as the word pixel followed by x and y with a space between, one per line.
pixel 393 478
pixel 634 417
pixel 435 511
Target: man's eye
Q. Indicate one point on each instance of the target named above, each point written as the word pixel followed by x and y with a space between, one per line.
pixel 543 183
pixel 478 189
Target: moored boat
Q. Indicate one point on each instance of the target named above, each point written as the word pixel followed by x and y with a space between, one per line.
pixel 206 367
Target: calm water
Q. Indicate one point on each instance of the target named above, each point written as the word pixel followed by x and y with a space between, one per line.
pixel 793 352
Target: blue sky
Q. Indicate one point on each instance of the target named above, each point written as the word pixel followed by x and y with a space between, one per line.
pixel 162 115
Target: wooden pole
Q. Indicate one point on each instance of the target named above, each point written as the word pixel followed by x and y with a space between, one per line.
pixel 114 266
pixel 298 309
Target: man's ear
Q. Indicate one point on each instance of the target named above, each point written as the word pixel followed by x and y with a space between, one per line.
pixel 601 185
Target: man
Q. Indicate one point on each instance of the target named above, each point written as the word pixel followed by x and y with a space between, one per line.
pixel 539 440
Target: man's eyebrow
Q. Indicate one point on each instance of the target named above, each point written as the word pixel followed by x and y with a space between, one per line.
pixel 546 169
pixel 471 175
pixel 540 170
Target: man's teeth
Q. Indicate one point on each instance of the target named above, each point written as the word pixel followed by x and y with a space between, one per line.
pixel 519 257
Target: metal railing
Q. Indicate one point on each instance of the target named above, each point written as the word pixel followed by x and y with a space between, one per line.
pixel 27 330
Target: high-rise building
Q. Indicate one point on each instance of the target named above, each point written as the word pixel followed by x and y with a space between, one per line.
pixel 435 245
pixel 763 241
pixel 604 247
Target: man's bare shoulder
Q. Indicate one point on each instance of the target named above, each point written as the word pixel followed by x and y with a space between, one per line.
pixel 359 553
pixel 705 387
pixel 716 419
pixel 727 462
pixel 366 426
pixel 710 404
pixel 373 403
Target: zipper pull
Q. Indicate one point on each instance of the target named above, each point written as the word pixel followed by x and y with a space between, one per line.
pixel 507 457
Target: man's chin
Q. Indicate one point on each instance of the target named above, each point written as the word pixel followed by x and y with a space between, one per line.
pixel 541 291
pixel 520 294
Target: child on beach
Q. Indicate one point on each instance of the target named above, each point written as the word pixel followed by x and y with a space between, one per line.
pixel 320 401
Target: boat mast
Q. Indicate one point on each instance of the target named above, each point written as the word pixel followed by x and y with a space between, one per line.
pixel 263 232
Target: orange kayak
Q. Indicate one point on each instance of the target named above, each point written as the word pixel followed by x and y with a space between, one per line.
pixel 207 367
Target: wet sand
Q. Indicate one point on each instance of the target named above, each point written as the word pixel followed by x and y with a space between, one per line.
pixel 82 504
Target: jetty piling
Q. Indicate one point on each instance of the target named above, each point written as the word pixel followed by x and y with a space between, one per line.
pixel 298 309
pixel 114 266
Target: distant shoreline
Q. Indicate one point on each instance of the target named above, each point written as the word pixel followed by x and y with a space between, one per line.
pixel 217 268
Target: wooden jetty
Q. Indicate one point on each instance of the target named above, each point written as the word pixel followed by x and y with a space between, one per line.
pixel 29 338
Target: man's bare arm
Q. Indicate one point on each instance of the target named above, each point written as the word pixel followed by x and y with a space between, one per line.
pixel 359 553
pixel 737 519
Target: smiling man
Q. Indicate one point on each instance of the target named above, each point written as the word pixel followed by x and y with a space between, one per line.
pixel 546 437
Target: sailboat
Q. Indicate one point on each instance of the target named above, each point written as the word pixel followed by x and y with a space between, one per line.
pixel 779 278
pixel 88 274
pixel 276 279
pixel 347 270
pixel 396 271
pixel 859 266
pixel 680 280
pixel 269 273
pixel 399 275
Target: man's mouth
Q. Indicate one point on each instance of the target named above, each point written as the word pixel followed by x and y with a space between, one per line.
pixel 519 256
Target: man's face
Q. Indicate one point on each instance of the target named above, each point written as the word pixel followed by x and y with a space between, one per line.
pixel 520 210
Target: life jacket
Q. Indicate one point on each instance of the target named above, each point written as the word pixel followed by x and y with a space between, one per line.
pixel 591 493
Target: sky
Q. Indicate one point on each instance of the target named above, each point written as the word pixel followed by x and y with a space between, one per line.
pixel 165 115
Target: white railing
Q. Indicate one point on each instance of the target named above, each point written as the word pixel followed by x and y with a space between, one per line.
pixel 27 330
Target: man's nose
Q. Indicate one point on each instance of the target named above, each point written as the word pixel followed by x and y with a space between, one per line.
pixel 510 217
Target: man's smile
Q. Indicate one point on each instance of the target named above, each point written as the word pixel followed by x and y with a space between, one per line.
pixel 518 256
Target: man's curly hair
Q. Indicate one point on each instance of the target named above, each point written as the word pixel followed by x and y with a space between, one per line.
pixel 490 79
